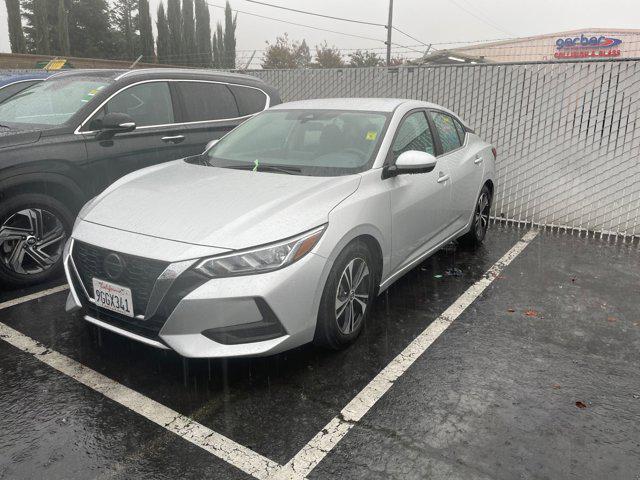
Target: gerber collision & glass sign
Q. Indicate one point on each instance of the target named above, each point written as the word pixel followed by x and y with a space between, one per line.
pixel 587 47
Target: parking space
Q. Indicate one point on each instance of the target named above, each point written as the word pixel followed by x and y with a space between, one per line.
pixel 494 396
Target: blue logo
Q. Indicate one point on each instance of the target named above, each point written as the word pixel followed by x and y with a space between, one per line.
pixel 587 42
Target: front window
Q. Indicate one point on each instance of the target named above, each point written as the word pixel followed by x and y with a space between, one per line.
pixel 51 102
pixel 309 142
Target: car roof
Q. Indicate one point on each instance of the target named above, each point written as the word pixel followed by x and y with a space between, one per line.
pixel 155 73
pixel 361 104
pixel 21 77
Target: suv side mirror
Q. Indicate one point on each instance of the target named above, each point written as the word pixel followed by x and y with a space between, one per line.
pixel 411 161
pixel 113 123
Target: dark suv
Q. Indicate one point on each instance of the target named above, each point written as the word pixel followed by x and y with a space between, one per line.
pixel 65 139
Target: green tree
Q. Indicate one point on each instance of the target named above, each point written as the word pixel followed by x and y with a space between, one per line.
pixel 14 20
pixel 125 19
pixel 328 57
pixel 41 27
pixel 163 43
pixel 146 31
pixel 281 54
pixel 90 30
pixel 230 24
pixel 203 33
pixel 174 19
pixel 364 58
pixel 217 47
pixel 188 34
pixel 64 48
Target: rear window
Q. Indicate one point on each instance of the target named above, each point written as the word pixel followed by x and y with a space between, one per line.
pixel 250 100
pixel 207 101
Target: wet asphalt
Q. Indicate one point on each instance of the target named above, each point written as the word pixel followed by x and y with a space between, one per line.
pixel 494 397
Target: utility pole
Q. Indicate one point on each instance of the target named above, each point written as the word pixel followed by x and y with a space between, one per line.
pixel 389 27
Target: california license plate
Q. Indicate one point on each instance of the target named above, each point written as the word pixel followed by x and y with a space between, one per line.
pixel 113 297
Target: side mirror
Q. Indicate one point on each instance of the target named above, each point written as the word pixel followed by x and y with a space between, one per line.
pixel 113 123
pixel 412 161
pixel 211 144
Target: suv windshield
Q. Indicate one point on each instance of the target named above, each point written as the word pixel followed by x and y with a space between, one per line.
pixel 308 142
pixel 51 102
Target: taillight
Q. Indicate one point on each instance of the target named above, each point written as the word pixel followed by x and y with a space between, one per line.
pixel 495 152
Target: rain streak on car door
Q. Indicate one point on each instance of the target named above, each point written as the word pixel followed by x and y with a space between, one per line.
pixel 417 200
pixel 151 107
pixel 465 169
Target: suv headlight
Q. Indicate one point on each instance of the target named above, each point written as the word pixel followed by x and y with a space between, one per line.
pixel 262 259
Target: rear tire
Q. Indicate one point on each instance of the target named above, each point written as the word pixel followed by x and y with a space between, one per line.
pixel 33 231
pixel 480 222
pixel 347 297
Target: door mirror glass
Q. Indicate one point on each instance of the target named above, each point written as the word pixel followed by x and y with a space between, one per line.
pixel 113 123
pixel 414 161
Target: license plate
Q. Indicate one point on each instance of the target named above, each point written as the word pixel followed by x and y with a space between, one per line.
pixel 113 297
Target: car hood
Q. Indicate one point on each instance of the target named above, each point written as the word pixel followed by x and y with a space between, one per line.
pixel 13 137
pixel 218 207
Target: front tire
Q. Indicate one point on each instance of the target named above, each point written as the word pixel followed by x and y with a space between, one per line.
pixel 480 221
pixel 347 297
pixel 33 231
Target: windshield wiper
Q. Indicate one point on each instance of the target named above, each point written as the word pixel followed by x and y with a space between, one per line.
pixel 267 168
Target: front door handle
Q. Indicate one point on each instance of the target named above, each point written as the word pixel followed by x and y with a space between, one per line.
pixel 478 160
pixel 442 177
pixel 173 139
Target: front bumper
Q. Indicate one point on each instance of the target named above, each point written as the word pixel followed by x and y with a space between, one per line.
pixel 200 317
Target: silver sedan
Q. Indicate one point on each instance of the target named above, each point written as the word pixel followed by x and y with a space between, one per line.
pixel 284 231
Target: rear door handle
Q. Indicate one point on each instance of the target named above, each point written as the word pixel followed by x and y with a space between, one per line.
pixel 443 178
pixel 478 160
pixel 173 139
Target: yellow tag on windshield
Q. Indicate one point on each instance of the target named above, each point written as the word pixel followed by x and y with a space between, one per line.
pixel 371 135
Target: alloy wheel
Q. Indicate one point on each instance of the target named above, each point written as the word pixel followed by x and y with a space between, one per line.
pixel 31 241
pixel 481 217
pixel 352 295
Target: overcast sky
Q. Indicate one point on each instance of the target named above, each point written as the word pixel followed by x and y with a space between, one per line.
pixel 427 20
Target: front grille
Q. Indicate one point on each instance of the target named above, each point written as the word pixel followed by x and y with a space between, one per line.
pixel 139 274
pixel 147 328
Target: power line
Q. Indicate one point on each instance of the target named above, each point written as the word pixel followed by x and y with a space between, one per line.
pixel 407 35
pixel 296 24
pixel 317 14
pixel 491 24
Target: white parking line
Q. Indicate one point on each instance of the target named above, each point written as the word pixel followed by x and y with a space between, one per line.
pixel 320 445
pixel 33 296
pixel 222 447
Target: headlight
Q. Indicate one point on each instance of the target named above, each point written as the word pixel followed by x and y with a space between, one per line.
pixel 262 259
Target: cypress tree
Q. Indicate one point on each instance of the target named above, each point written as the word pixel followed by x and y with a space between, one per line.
pixel 203 33
pixel 230 22
pixel 41 25
pixel 188 34
pixel 64 48
pixel 14 19
pixel 218 47
pixel 163 42
pixel 174 19
pixel 146 32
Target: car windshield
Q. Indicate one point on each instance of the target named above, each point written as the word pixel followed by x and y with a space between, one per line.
pixel 307 142
pixel 52 102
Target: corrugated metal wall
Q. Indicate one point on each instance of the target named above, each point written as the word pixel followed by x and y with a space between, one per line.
pixel 567 134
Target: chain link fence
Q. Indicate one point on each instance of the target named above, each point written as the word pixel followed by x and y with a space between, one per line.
pixel 566 132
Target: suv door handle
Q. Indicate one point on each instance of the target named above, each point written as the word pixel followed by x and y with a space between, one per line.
pixel 173 139
pixel 442 177
pixel 478 160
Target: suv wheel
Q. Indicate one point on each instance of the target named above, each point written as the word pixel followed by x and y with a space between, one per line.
pixel 33 231
pixel 347 297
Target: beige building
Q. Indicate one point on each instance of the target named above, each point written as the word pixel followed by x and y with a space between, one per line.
pixel 586 43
